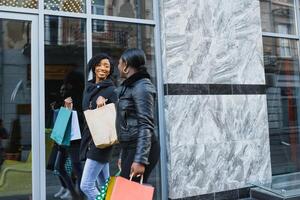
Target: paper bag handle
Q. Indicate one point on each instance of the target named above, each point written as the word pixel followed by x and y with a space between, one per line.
pixel 142 178
pixel 104 104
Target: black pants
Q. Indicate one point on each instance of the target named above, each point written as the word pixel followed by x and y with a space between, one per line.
pixel 2 154
pixel 128 155
pixel 65 179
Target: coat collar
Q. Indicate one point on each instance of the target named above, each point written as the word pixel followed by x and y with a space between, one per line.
pixel 91 85
pixel 135 77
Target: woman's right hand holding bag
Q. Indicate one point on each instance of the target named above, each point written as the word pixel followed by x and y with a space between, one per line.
pixel 101 101
pixel 68 103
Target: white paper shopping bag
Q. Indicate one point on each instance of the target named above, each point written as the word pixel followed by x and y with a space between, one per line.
pixel 102 125
pixel 75 129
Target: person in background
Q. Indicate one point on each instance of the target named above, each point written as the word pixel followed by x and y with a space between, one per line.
pixel 68 187
pixel 135 118
pixel 73 99
pixel 98 92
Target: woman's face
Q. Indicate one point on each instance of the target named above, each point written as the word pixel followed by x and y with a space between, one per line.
pixel 121 67
pixel 102 69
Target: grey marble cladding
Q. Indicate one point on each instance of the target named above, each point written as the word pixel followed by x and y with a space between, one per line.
pixel 209 41
pixel 216 143
pixel 216 118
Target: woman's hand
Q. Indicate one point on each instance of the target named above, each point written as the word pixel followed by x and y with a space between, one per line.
pixel 101 101
pixel 137 169
pixel 69 103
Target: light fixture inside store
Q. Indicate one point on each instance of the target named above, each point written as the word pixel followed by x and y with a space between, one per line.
pixel 16 3
pixel 65 5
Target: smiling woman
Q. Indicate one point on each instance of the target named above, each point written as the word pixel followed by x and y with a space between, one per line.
pixel 114 38
pixel 54 63
pixel 102 70
pixel 99 91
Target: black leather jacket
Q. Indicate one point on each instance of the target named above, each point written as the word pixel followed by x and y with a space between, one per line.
pixel 136 117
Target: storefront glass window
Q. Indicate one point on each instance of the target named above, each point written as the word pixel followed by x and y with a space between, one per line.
pixel 65 72
pixel 15 109
pixel 281 63
pixel 65 58
pixel 20 3
pixel 142 9
pixel 278 16
pixel 77 6
pixel 114 38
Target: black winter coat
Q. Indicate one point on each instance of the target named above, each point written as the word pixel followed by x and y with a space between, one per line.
pixel 136 115
pixel 88 149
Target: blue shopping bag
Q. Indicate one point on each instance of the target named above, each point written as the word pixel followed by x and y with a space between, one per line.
pixel 61 132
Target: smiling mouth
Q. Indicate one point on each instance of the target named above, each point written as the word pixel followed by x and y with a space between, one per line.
pixel 101 73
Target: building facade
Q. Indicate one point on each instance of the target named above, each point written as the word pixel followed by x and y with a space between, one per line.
pixel 227 79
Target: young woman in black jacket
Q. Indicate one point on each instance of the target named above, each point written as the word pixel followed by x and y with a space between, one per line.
pixel 139 146
pixel 98 92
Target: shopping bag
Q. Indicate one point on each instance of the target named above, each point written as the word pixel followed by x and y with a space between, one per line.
pixel 61 132
pixel 103 190
pixel 128 190
pixel 110 187
pixel 106 189
pixel 102 125
pixel 75 129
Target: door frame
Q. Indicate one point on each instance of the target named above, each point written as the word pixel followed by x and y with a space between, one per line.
pixel 36 131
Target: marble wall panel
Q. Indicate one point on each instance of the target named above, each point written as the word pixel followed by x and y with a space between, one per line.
pixel 208 41
pixel 216 118
pixel 230 132
pixel 186 168
pixel 217 167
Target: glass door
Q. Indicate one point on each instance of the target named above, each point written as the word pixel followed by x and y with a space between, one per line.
pixel 19 107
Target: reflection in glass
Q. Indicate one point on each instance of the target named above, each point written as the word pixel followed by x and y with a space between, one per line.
pixel 77 6
pixel 279 186
pixel 15 109
pixel 283 96
pixel 114 38
pixel 278 16
pixel 20 3
pixel 65 58
pixel 141 9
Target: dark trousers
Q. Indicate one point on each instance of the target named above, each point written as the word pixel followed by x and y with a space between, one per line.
pixel 65 179
pixel 127 159
pixel 2 154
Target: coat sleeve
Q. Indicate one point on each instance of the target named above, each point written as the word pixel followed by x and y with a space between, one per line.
pixel 144 103
pixel 113 98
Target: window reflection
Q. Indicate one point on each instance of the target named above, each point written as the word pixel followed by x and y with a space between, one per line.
pixel 283 96
pixel 114 38
pixel 77 6
pixel 20 3
pixel 65 58
pixel 124 8
pixel 278 16
pixel 15 109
